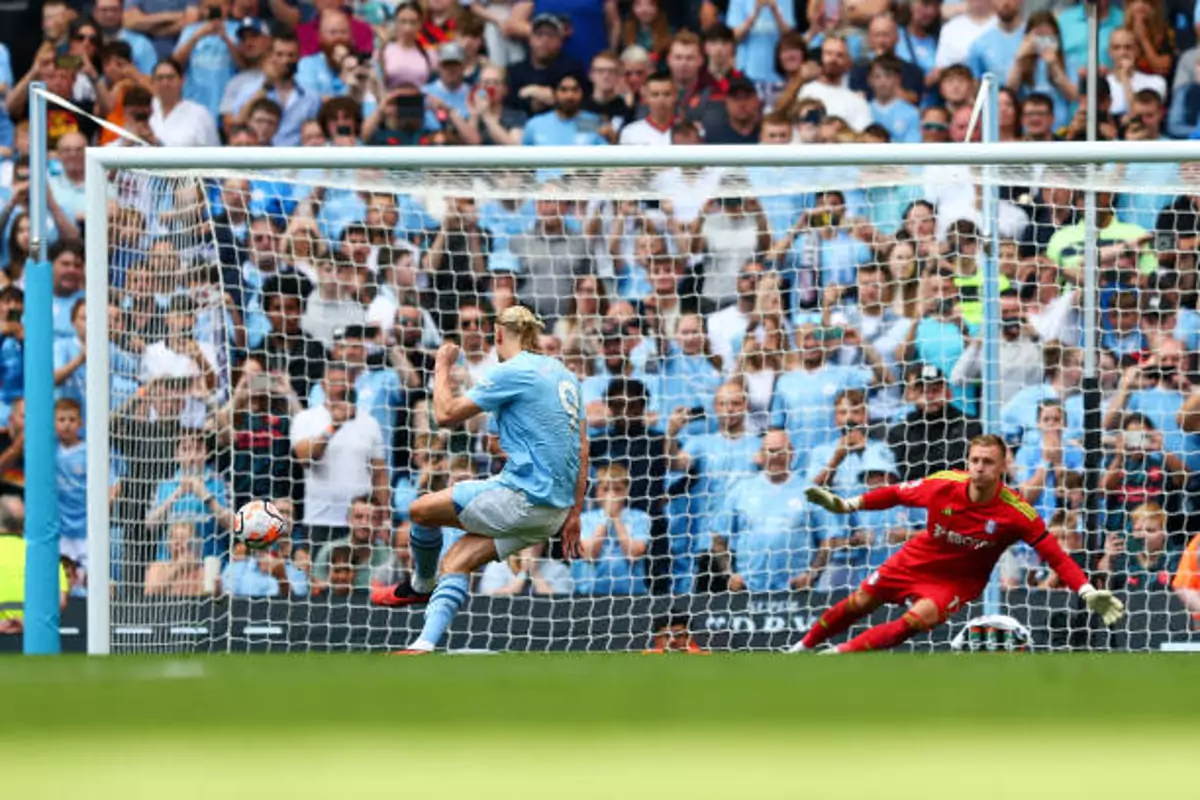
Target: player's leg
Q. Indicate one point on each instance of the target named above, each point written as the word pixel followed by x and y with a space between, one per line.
pixel 838 618
pixel 428 514
pixel 924 615
pixel 465 556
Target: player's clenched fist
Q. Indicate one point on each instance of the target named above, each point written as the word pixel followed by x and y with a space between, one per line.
pixel 447 355
pixel 828 500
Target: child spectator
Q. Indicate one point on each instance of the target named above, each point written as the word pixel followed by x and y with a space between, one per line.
pixel 1138 560
pixel 196 493
pixel 614 539
pixel 12 344
pixel 900 117
pixel 70 358
pixel 72 481
pixel 181 573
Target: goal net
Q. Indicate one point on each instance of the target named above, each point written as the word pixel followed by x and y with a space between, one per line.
pixel 740 333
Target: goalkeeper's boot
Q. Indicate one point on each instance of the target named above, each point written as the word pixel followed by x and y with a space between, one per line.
pixel 402 594
pixel 798 647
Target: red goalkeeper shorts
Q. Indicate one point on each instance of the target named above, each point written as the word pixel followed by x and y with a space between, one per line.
pixel 890 585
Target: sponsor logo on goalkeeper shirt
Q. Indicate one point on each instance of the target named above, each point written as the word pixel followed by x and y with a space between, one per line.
pixel 961 539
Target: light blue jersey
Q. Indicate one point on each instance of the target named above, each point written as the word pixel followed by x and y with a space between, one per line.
pixel 773 532
pixel 1019 417
pixel 537 405
pixel 72 491
pixel 209 67
pixel 995 51
pixel 244 579
pixel 612 572
pixel 64 328
pixel 551 129
pixel 848 480
pixel 75 386
pixel 900 117
pixel 1029 459
pixel 189 508
pixel 803 402
pixel 756 53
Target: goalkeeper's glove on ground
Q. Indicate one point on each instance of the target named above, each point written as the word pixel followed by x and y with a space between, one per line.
pixel 829 501
pixel 1102 602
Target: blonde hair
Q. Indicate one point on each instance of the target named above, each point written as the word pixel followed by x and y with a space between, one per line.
pixel 1148 511
pixel 527 325
pixel 612 471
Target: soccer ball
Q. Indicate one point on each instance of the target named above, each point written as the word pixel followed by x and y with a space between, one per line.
pixel 259 525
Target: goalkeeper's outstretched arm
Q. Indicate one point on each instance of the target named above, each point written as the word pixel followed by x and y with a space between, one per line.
pixel 874 500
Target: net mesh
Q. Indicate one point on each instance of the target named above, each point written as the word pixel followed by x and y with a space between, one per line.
pixel 739 334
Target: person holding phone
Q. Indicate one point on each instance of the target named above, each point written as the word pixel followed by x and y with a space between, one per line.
pixel 1140 471
pixel 1040 66
pixel 209 53
pixel 490 121
pixel 278 83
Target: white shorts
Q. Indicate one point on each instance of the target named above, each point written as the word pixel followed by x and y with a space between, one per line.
pixel 74 549
pixel 491 509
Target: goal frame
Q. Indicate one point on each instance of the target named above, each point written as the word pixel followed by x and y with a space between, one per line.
pixel 100 161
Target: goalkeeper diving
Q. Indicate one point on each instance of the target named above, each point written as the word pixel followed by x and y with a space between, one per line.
pixel 972 519
pixel 536 403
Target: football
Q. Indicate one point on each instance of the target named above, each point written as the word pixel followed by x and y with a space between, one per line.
pixel 259 524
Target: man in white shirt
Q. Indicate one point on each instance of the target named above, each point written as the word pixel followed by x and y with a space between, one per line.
pixel 343 458
pixel 958 34
pixel 660 97
pixel 832 88
pixel 175 121
pixel 67 186
pixel 730 323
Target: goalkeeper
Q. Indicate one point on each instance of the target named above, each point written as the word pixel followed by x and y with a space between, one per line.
pixel 972 518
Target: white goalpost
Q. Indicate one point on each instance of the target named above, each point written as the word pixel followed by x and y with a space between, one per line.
pixel 872 305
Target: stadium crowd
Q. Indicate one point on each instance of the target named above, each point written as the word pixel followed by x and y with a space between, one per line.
pixel 739 334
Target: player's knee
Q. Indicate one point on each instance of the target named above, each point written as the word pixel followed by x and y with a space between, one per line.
pixel 861 601
pixel 923 616
pixel 420 510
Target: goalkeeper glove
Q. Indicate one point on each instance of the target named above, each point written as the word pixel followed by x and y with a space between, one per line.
pixel 829 501
pixel 1103 603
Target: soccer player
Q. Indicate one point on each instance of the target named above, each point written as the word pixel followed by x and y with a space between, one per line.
pixel 536 403
pixel 972 518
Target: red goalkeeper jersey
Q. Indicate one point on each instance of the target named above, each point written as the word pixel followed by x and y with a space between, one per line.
pixel 963 540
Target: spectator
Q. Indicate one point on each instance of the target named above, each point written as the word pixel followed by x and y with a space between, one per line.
pixel 343 456
pixel 181 572
pixel 196 494
pixel 12 451
pixel 732 231
pixel 12 568
pixel 208 54
pixel 731 322
pixel 532 83
pixel 1065 248
pixel 400 120
pixel 1139 560
pixel 935 125
pixel 1157 388
pixel 659 94
pixel 367 552
pixel 719 57
pixel 71 461
pixel 829 88
pixel 1063 371
pixel 70 359
pixel 1140 471
pixel 66 260
pixel 635 69
pixel 898 116
pixel 1044 467
pixel 263 573
pixel 757 28
pixel 279 84
pixel 567 124
pixel 996 48
pixel 646 26
pixel 591 25
pixel 775 537
pixel 606 100
pixel 404 60
pixel 502 48
pixel 882 38
pixel 818 251
pixel 1037 118
pixel 550 257
pixel 335 303
pixel 741 121
pixel 934 435
pixel 526 572
pixel 67 185
pixel 254 43
pixel 110 19
pixel 799 404
pixel 179 122
pixel 685 62
pixel 456 260
pixel 287 348
pixel 318 73
pixel 449 94
pixel 255 425
pixel 580 325
pixel 959 33
pixel 1041 66
pixel 1020 352
pixel 1125 80
pixel 1154 37
pixel 841 464
pixel 614 539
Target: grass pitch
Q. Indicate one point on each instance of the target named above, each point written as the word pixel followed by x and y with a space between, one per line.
pixel 599 726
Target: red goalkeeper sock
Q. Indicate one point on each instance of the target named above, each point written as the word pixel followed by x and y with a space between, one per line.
pixel 835 620
pixel 881 637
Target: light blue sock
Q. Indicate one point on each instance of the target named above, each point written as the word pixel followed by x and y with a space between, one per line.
pixel 425 544
pixel 448 598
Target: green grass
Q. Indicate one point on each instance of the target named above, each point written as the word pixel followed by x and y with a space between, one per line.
pixel 613 726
